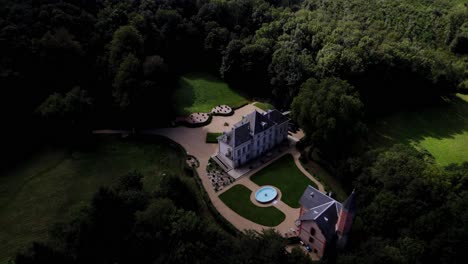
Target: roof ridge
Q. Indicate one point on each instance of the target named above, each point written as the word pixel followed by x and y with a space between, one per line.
pixel 324 210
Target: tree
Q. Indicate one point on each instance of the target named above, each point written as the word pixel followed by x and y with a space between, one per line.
pixel 74 105
pixel 330 113
pixel 126 81
pixel 460 43
pixel 289 67
pixel 125 41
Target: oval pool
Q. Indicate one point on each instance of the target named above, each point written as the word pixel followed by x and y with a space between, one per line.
pixel 265 194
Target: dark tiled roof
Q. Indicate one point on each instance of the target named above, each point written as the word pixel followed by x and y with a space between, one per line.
pixel 327 221
pixel 241 134
pixel 258 122
pixel 276 116
pixel 312 198
pixel 323 210
pixel 253 123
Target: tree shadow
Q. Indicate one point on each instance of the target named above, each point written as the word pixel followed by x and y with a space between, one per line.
pixel 446 119
pixel 184 97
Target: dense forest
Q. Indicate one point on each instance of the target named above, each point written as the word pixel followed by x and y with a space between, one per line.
pixel 70 66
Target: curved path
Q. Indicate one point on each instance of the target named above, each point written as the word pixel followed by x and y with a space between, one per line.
pixel 193 140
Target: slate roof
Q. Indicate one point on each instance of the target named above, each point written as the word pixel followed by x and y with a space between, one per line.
pixel 258 122
pixel 241 134
pixel 253 124
pixel 312 198
pixel 322 208
pixel 276 116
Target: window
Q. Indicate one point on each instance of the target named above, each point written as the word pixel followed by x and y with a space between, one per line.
pixel 238 152
pixel 311 239
pixel 312 231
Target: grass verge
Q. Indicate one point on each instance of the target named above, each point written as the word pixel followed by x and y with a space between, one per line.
pixel 211 137
pixel 264 106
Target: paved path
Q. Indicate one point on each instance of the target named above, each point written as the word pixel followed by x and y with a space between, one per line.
pixel 193 140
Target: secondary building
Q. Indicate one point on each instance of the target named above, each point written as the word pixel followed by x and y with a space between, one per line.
pixel 323 220
pixel 252 137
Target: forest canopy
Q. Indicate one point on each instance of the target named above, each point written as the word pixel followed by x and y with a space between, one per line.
pixel 69 66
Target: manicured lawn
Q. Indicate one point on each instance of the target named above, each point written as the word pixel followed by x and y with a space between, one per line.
pixel 200 92
pixel 53 184
pixel 264 106
pixel 284 175
pixel 211 137
pixel 442 130
pixel 238 199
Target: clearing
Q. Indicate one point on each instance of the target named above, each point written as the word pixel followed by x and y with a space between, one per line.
pixel 201 92
pixel 442 130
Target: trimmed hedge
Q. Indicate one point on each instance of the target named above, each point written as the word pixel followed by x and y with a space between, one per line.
pixel 212 137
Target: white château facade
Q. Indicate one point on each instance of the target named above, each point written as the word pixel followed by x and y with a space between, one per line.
pixel 252 137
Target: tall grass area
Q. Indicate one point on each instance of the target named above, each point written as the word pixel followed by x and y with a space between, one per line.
pixel 55 183
pixel 200 92
pixel 441 130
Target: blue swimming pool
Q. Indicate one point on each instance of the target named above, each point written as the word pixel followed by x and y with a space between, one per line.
pixel 266 194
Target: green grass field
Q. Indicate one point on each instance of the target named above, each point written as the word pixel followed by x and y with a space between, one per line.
pixel 442 130
pixel 264 106
pixel 211 137
pixel 53 184
pixel 284 175
pixel 200 92
pixel 238 199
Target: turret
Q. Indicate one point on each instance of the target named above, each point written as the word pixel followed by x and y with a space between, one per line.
pixel 345 220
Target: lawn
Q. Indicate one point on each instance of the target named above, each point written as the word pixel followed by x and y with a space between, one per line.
pixel 200 92
pixel 54 183
pixel 264 106
pixel 284 175
pixel 442 130
pixel 211 137
pixel 238 199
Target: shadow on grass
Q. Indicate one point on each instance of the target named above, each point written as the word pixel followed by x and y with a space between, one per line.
pixel 184 97
pixel 446 120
